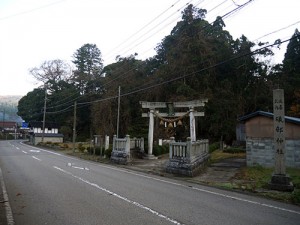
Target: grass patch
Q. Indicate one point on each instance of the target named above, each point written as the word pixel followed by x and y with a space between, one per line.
pixel 218 155
pixel 256 179
pixel 234 150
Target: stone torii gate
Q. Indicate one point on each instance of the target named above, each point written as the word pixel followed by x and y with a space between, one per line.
pixel 171 106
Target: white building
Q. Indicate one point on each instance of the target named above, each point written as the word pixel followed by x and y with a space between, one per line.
pixel 50 134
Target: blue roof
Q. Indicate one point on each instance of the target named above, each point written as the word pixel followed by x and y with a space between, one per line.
pixel 289 119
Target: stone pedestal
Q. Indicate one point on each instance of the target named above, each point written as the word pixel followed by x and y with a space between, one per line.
pixel 281 182
pixel 185 167
pixel 146 156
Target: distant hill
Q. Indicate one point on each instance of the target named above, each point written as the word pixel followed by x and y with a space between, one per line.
pixel 10 99
pixel 9 108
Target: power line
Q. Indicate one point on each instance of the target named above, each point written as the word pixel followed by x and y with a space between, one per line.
pixel 32 10
pixel 231 12
pixel 276 31
pixel 145 25
pixel 71 101
pixel 187 75
pixel 129 48
pixel 234 10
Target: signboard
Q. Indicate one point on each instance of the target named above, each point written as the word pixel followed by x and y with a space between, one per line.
pixel 24 125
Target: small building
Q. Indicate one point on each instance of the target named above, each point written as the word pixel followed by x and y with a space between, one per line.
pixel 257 130
pixel 8 125
pixel 50 134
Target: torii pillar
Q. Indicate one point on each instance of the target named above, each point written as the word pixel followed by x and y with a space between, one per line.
pixel 150 135
pixel 192 125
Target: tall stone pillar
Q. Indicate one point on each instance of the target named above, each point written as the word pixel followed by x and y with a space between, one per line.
pixel 192 125
pixel 280 180
pixel 150 136
pixel 106 142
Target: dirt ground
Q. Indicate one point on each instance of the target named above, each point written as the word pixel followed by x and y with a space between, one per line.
pixel 218 172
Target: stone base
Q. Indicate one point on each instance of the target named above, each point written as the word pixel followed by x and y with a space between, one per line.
pixel 149 156
pixel 119 158
pixel 181 167
pixel 281 182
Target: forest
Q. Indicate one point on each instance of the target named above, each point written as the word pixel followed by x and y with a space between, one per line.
pixel 196 60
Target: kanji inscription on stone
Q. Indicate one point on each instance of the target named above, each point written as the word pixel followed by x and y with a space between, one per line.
pixel 279 131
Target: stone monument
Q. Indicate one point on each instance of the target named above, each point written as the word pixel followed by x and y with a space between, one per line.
pixel 280 180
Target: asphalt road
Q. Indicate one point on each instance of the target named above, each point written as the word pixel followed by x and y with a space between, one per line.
pixel 45 187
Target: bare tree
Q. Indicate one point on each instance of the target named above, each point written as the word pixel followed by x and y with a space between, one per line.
pixel 52 71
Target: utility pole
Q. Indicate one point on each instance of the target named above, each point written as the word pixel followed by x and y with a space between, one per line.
pixel 3 118
pixel 74 126
pixel 44 117
pixel 118 118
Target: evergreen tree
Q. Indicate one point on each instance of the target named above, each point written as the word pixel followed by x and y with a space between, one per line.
pixel 88 62
pixel 291 75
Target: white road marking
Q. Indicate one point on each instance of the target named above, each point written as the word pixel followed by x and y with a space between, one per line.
pixel 37 151
pixel 17 148
pixel 77 167
pixel 206 191
pixel 24 152
pixel 245 200
pixel 9 215
pixel 54 153
pixel 36 158
pixel 121 197
pixel 186 186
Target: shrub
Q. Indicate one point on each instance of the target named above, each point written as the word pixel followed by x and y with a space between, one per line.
pixel 296 196
pixel 234 150
pixel 107 152
pixel 65 145
pixel 80 147
pixel 98 151
pixel 160 150
pixel 214 146
pixel 90 150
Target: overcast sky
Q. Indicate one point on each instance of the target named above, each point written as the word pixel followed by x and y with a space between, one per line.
pixel 33 31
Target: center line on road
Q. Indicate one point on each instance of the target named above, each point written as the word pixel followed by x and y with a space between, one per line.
pixel 120 197
pixel 36 158
pixel 24 152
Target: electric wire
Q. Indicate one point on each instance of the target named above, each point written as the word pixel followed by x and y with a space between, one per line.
pixel 121 44
pixel 71 101
pixel 128 48
pixel 234 10
pixel 32 10
pixel 115 79
pixel 126 40
pixel 187 75
pixel 203 29
pixel 276 31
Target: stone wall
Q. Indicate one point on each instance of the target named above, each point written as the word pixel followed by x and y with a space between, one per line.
pixel 260 151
